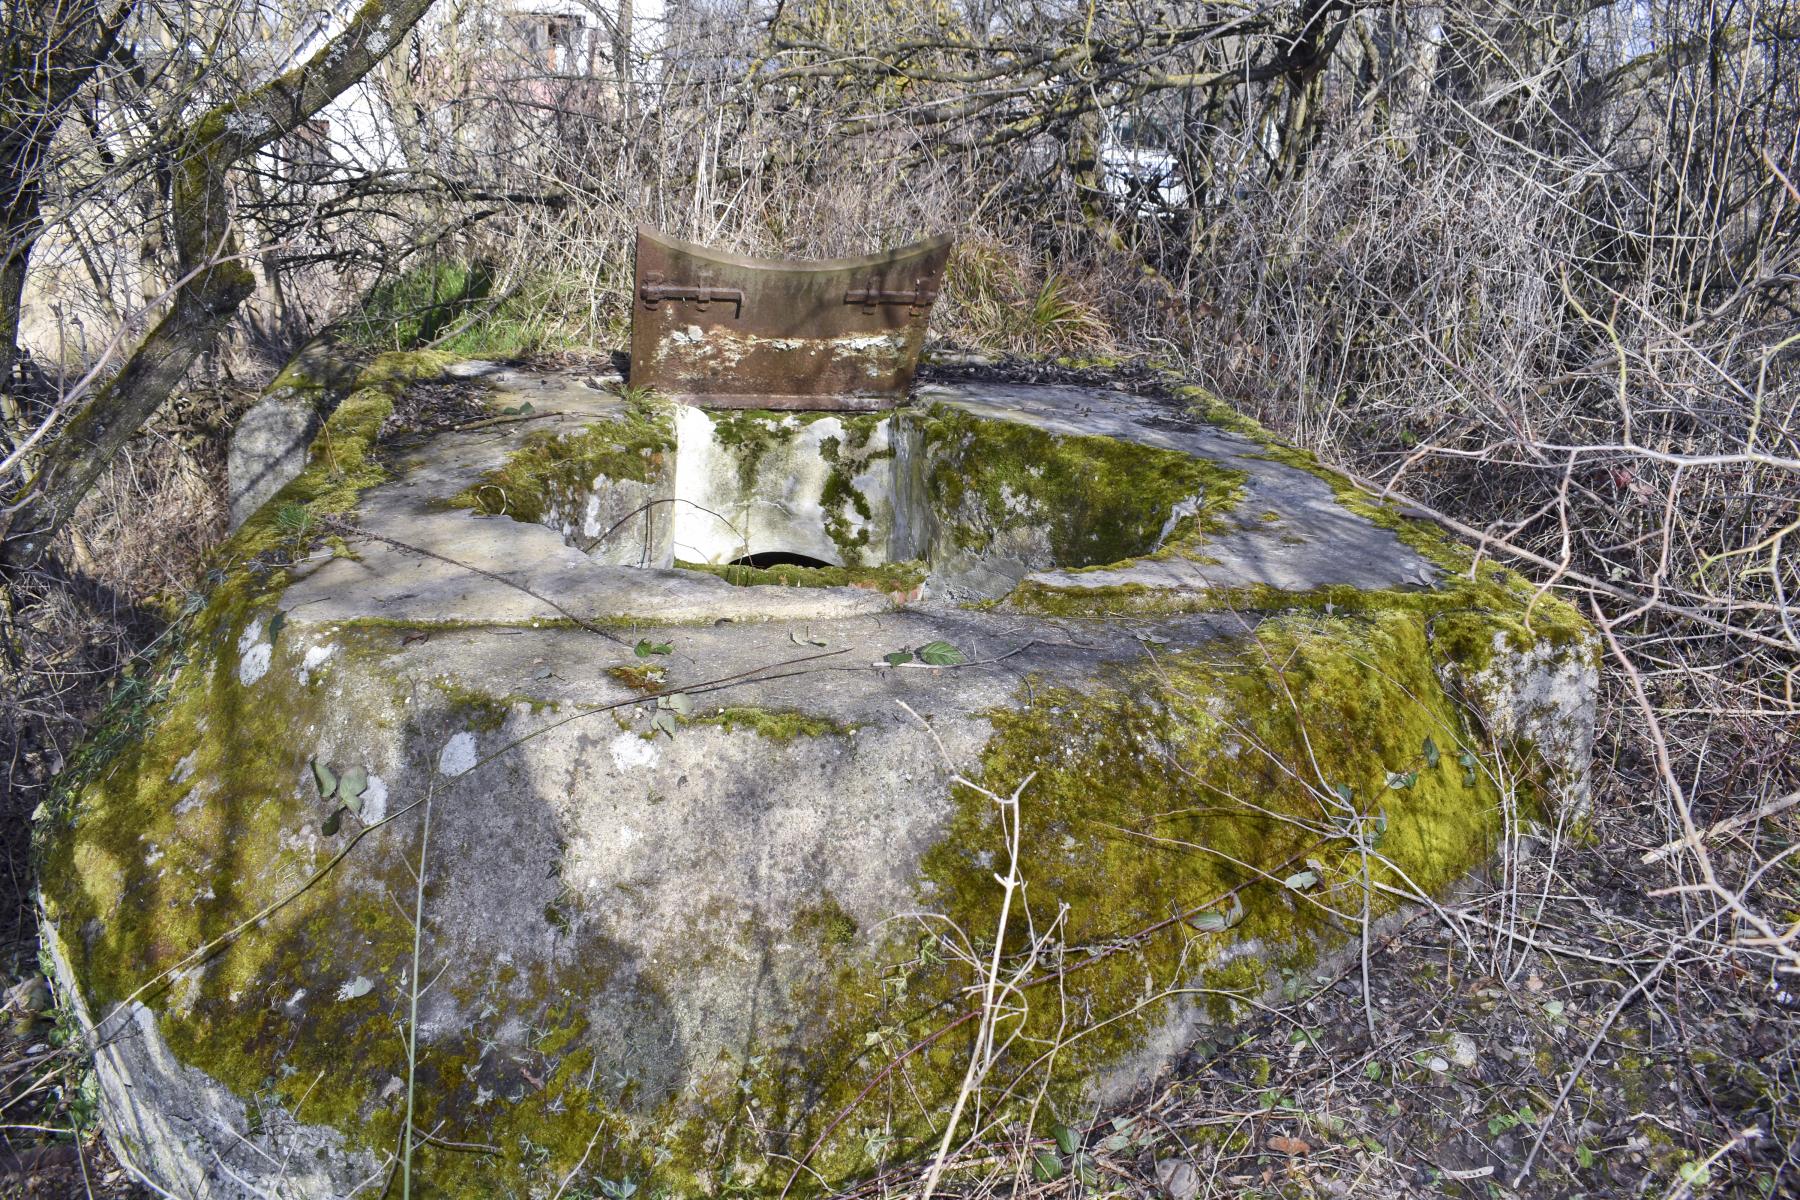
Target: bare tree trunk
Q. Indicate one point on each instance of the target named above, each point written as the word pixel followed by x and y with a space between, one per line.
pixel 622 58
pixel 214 280
pixel 48 58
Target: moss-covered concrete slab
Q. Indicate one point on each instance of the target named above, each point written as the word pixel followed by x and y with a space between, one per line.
pixel 1288 531
pixel 704 911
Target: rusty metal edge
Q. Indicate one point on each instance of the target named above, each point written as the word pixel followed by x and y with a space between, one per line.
pixel 806 402
pixel 866 261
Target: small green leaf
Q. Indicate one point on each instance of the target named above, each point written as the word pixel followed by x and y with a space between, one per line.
pixel 1431 752
pixel 511 410
pixel 1299 881
pixel 525 408
pixel 356 989
pixel 332 823
pixel 1372 1070
pixel 664 721
pixel 897 657
pixel 940 654
pixel 1218 922
pixel 1401 780
pixel 351 786
pixel 1346 793
pixel 1047 1165
pixel 1115 1142
pixel 1694 1174
pixel 275 625
pixel 1087 1171
pixel 681 702
pixel 1584 1154
pixel 325 778
pixel 1067 1140
pixel 645 648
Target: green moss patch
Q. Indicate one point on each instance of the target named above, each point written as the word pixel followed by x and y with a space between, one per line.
pixel 1189 828
pixel 1165 810
pixel 1100 499
pixel 1465 613
pixel 750 434
pixel 552 470
pixel 778 725
pixel 1201 784
pixel 1477 599
pixel 847 509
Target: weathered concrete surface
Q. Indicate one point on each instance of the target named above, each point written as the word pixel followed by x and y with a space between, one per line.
pixel 705 924
pixel 1288 532
pixel 270 441
pixel 268 449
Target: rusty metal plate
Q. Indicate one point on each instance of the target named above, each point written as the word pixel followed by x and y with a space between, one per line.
pixel 727 331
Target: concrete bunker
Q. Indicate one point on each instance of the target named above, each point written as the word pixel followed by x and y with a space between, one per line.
pixel 704 927
pixel 965 504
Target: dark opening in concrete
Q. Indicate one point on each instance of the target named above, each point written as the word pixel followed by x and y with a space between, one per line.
pixel 778 558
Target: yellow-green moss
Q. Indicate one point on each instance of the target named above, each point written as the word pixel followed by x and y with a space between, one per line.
pixel 189 829
pixel 554 470
pixel 1150 798
pixel 1476 600
pixel 1198 784
pixel 480 711
pixel 826 921
pixel 1099 499
pixel 640 677
pixel 1465 613
pixel 778 725
pixel 1216 774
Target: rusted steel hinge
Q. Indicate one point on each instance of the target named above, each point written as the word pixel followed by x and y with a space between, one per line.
pixel 654 291
pixel 870 297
